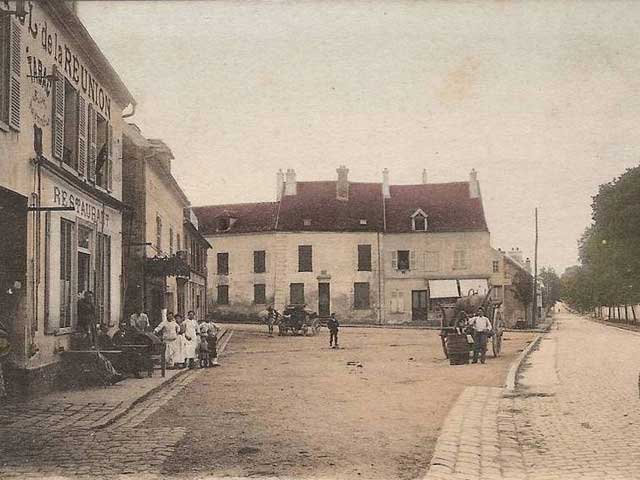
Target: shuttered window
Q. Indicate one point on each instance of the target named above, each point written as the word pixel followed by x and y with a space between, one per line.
pixel 10 65
pixel 305 258
pixel 223 295
pixel 403 260
pixel 66 272
pixel 259 294
pixel 223 263
pixel 259 265
pixel 71 124
pixel 296 293
pixel 364 258
pixel 91 137
pixel 58 114
pixel 361 298
pixel 82 136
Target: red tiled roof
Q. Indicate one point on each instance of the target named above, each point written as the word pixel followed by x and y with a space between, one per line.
pixel 317 201
pixel 447 205
pixel 250 217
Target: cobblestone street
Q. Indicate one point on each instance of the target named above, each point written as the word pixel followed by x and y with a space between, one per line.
pixel 574 415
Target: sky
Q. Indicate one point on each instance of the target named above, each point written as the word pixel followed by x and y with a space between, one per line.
pixel 540 97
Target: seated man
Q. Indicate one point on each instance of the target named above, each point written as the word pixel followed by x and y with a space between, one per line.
pixel 131 361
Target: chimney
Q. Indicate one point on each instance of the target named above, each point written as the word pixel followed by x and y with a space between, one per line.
pixel 386 191
pixel 279 184
pixel 516 254
pixel 290 187
pixel 342 187
pixel 527 265
pixel 474 185
pixel 424 176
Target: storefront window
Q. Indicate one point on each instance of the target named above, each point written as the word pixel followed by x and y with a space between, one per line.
pixel 84 259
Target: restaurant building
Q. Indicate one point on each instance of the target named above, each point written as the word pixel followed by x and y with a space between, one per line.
pixel 61 117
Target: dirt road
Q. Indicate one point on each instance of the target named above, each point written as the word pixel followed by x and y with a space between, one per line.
pixel 293 407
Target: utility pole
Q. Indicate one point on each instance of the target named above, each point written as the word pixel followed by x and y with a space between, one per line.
pixel 534 316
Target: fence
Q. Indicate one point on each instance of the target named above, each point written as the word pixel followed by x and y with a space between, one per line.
pixel 619 313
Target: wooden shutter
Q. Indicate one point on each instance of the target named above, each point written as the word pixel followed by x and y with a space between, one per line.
pixel 109 162
pixel 394 260
pixel 14 74
pixel 92 127
pixel 58 114
pixel 82 135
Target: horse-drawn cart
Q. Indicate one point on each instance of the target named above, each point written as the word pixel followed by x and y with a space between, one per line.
pixel 296 319
pixel 455 335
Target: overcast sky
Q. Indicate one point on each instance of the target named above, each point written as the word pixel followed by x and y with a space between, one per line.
pixel 540 97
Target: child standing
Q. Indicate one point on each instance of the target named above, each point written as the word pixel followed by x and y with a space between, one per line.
pixel 333 325
pixel 203 347
pixel 212 339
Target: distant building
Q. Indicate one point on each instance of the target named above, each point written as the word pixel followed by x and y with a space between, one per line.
pixel 61 106
pixel 165 256
pixel 371 252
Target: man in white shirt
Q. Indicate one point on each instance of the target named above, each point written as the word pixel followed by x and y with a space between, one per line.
pixel 139 320
pixel 481 330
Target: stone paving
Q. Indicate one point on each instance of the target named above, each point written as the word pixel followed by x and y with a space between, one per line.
pixel 574 415
pixel 44 440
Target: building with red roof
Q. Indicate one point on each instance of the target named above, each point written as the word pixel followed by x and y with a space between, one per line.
pixel 370 252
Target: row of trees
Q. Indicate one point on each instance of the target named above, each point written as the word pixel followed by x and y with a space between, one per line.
pixel 609 249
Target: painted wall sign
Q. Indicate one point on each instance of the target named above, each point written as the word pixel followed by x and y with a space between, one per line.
pixel 86 209
pixel 55 46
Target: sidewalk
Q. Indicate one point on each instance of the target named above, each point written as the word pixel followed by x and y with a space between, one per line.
pixel 88 408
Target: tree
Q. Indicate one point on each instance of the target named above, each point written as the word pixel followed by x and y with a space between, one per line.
pixel 551 282
pixel 523 290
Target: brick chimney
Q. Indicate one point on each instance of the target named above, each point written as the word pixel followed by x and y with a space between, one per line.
pixel 342 187
pixel 279 184
pixel 424 176
pixel 386 191
pixel 290 187
pixel 474 185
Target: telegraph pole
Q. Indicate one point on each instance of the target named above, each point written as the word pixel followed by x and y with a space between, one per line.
pixel 534 316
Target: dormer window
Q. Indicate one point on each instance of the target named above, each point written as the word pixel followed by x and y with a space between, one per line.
pixel 306 222
pixel 419 221
pixel 224 224
pixel 363 221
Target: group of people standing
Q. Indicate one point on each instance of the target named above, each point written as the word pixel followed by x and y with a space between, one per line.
pixel 189 343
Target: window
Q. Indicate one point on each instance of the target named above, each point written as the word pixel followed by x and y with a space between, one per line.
pixel 259 265
pixel 432 261
pixel 361 295
pixel 296 293
pixel 364 258
pixel 363 221
pixel 69 149
pixel 402 260
pixel 496 266
pixel 66 272
pixel 305 258
pixel 259 294
pixel 10 64
pixel 158 234
pixel 419 221
pixel 223 295
pixel 397 302
pixel 85 248
pixel 459 260
pixel 223 224
pixel 306 222
pixel 104 139
pixel 223 264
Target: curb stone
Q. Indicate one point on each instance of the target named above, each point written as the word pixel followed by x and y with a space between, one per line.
pixel 122 410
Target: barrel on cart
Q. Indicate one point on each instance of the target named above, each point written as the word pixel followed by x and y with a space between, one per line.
pixel 458 347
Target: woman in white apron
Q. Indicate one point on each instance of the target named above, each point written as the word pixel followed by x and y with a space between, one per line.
pixel 180 347
pixel 169 330
pixel 191 340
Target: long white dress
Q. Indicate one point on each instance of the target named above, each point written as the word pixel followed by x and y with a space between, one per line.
pixel 191 344
pixel 180 347
pixel 171 339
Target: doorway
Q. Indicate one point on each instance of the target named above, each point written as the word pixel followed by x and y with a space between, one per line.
pixel 324 299
pixel 419 305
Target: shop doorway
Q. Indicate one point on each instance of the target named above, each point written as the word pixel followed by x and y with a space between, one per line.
pixel 419 305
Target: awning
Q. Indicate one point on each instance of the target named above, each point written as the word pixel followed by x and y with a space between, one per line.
pixel 478 285
pixel 443 289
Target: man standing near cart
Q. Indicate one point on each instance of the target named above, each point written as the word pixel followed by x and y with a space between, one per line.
pixel 481 330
